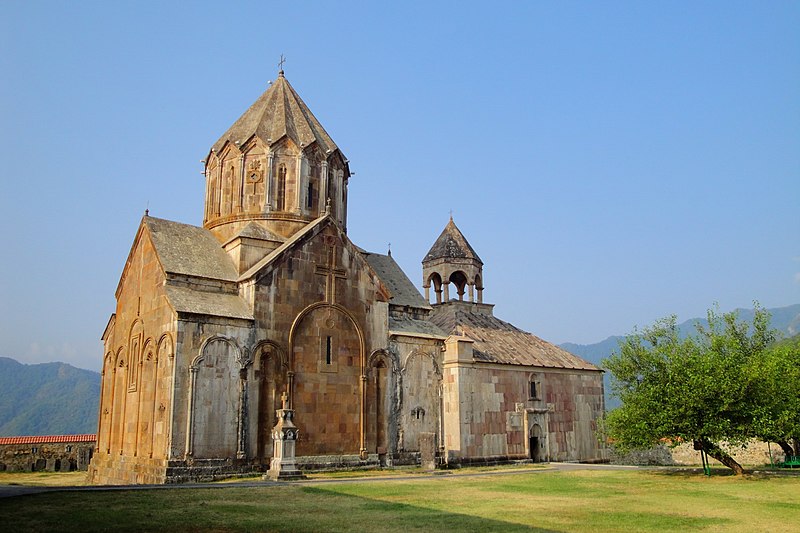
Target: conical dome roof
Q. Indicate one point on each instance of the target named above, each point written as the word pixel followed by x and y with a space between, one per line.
pixel 279 112
pixel 451 244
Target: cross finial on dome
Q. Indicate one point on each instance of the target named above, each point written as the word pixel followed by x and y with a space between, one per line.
pixel 280 66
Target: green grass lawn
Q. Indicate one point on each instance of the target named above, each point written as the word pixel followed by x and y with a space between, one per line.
pixel 582 500
pixel 44 479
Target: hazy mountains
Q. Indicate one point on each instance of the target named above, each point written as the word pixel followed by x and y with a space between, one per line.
pixel 784 319
pixel 47 399
pixel 58 399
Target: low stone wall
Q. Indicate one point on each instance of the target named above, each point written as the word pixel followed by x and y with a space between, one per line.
pixel 310 463
pixel 457 462
pixel 756 453
pixel 51 454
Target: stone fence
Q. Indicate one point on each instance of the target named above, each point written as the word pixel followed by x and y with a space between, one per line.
pixel 52 453
pixel 755 453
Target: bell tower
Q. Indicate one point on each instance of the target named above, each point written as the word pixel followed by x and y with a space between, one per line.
pixel 451 259
pixel 277 167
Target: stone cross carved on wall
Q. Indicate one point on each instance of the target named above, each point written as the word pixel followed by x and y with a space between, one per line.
pixel 332 274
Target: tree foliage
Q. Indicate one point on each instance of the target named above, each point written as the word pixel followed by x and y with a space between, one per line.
pixel 721 384
pixel 776 377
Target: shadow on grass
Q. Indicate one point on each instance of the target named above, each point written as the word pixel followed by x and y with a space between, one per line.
pixel 289 508
pixel 407 517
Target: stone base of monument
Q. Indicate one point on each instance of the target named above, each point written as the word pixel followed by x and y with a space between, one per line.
pixel 283 474
pixel 284 436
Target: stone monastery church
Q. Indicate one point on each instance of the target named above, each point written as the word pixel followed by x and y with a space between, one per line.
pixel 269 304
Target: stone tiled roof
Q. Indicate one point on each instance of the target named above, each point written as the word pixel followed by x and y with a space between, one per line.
pixel 451 244
pixel 278 112
pixel 257 231
pixel 48 439
pixel 410 326
pixel 189 250
pixel 496 341
pixel 403 292
pixel 186 300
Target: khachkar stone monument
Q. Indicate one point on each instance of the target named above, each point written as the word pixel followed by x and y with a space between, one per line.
pixel 284 435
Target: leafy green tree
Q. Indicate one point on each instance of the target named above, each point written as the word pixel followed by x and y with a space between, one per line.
pixel 695 389
pixel 776 377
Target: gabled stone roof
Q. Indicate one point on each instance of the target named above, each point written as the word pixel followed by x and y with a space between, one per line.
pixel 451 244
pixel 256 231
pixel 186 300
pixel 278 112
pixel 496 341
pixel 189 250
pixel 403 292
pixel 404 325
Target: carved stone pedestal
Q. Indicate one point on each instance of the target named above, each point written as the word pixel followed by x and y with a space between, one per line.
pixel 284 436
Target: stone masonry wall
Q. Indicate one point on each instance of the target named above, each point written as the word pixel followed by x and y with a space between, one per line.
pixel 51 457
pixel 323 289
pixel 754 454
pixel 496 414
pixel 135 402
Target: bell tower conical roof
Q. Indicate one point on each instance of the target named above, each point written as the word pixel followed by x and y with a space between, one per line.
pixel 451 244
pixel 452 259
pixel 275 166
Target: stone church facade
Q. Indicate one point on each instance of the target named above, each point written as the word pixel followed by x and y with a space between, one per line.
pixel 270 298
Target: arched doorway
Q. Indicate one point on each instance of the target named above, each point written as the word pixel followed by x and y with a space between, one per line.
pixel 535 443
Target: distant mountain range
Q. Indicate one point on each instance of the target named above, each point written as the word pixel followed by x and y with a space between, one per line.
pixel 59 399
pixel 784 319
pixel 47 399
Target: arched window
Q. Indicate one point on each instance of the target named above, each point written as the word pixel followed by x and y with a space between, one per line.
pixel 535 390
pixel 280 196
pixel 310 195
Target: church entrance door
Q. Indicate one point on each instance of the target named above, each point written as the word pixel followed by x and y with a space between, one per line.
pixel 534 443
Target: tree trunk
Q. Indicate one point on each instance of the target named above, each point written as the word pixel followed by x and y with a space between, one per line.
pixel 719 454
pixel 786 447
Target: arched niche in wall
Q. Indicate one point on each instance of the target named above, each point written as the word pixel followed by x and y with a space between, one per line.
pixel 214 409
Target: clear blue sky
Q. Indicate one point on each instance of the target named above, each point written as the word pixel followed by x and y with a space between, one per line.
pixel 611 162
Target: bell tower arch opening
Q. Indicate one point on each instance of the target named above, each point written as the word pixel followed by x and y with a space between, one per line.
pixel 459 280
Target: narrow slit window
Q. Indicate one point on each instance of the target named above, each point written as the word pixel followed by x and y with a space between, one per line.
pixel 533 390
pixel 310 195
pixel 328 359
pixel 280 197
